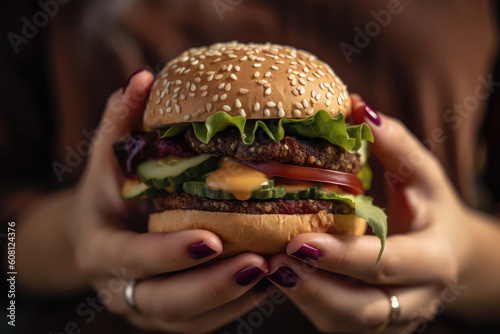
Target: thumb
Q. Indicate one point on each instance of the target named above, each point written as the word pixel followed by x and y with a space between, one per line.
pixel 403 156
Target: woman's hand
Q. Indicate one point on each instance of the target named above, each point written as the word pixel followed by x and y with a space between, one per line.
pixel 419 266
pixel 109 253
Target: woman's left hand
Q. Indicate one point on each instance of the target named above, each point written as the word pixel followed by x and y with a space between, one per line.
pixel 335 280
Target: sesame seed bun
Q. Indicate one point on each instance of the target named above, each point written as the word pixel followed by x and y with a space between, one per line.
pixel 262 234
pixel 256 81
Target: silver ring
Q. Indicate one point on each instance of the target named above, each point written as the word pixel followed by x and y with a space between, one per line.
pixel 129 295
pixel 393 314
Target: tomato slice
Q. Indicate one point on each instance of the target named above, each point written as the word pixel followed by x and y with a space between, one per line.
pixel 349 181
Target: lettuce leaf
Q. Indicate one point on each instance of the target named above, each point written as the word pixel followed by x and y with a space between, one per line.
pixel 364 208
pixel 320 125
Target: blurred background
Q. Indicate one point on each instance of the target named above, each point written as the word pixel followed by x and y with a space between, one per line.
pixel 432 63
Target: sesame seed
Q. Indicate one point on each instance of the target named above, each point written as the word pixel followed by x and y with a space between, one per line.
pixel 238 103
pixel 291 76
pixel 222 85
pixel 215 98
pixel 296 113
pixel 268 74
pixel 299 105
pixel 232 56
pixel 186 71
pixel 267 112
pixel 162 112
pixel 169 109
pixel 157 93
pixel 256 107
pixel 318 96
pixel 280 62
pixel 204 87
pixel 293 63
pixel 310 111
pixel 237 68
pixel 322 85
pixel 328 95
pixel 244 91
pixel 218 76
pixel 204 94
pixel 192 94
pixel 210 77
pixel 320 73
pixel 313 93
pixel 310 79
pixel 210 72
pixel 177 108
pixel 201 66
pixel 162 94
pixel 226 108
pixel 187 85
pixel 280 105
pixel 293 82
pixel 186 117
pixel 193 87
pixel 256 74
pixel 257 65
pixel 230 67
pixel 302 75
pixel 274 67
pixel 339 100
pixel 268 91
pixel 224 67
pixel 243 113
pixel 209 107
pixel 175 100
pixel 260 59
pixel 304 103
pixel 271 104
pixel 243 58
pixel 316 75
pixel 195 62
pixel 302 90
pixel 167 103
pixel 177 89
pixel 183 97
pixel 267 85
pixel 186 58
pixel 306 69
pixel 328 102
pixel 178 82
pixel 295 92
pixel 216 60
pixel 302 81
pixel 289 70
pixel 223 97
pixel 281 113
pixel 228 87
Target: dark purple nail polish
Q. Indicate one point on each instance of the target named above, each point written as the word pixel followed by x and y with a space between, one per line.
pixel 308 253
pixel 285 277
pixel 372 115
pixel 130 78
pixel 248 275
pixel 200 250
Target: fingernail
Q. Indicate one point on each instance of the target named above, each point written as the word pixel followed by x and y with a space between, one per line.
pixel 130 78
pixel 248 275
pixel 200 250
pixel 308 253
pixel 285 277
pixel 372 115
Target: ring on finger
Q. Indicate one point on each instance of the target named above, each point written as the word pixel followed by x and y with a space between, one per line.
pixel 393 314
pixel 129 295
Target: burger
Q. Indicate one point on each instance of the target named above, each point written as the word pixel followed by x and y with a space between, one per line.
pixel 250 141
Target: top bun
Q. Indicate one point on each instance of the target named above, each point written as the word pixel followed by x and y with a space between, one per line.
pixel 256 81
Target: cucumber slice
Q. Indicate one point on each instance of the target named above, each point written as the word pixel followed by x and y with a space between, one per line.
pixel 173 170
pixel 201 189
pixel 311 193
pixel 135 188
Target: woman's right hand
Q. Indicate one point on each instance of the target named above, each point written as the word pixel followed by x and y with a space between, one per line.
pixel 109 254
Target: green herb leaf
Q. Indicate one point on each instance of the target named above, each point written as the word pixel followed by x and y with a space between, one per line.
pixel 320 125
pixel 364 208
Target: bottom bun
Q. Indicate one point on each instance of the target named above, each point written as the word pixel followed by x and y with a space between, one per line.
pixel 262 234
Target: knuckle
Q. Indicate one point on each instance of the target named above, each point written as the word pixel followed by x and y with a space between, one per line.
pixel 386 270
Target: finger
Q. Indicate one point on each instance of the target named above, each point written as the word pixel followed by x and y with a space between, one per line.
pixel 189 294
pixel 141 255
pixel 401 153
pixel 406 260
pixel 336 304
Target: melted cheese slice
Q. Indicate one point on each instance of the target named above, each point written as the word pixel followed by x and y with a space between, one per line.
pixel 236 178
pixel 292 185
